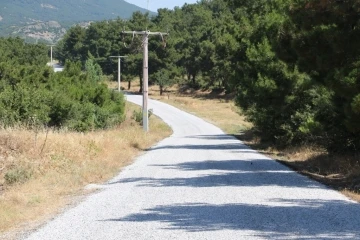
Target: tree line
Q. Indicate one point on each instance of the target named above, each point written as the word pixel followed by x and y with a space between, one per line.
pixel 33 96
pixel 293 64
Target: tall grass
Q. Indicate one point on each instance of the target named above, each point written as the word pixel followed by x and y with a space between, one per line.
pixel 40 170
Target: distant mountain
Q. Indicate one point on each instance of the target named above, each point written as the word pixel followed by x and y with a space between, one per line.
pixel 48 19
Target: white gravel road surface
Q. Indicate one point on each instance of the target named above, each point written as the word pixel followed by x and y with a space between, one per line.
pixel 202 184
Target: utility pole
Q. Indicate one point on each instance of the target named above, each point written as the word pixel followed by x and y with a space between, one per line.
pixel 145 35
pixel 51 54
pixel 119 69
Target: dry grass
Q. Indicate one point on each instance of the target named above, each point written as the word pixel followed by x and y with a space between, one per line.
pixel 57 165
pixel 340 171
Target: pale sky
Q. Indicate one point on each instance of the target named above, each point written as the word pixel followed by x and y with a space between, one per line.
pixel 156 4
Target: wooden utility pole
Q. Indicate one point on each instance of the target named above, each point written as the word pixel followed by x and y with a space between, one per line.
pixel 51 54
pixel 145 35
pixel 119 70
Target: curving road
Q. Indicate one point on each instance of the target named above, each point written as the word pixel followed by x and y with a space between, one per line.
pixel 202 184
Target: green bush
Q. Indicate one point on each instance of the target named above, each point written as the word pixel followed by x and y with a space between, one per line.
pixel 17 175
pixel 33 95
pixel 138 115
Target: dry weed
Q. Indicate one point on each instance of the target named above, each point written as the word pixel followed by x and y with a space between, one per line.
pixel 39 171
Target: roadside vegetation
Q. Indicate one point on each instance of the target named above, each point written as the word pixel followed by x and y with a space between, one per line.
pixel 33 95
pixel 59 132
pixel 44 170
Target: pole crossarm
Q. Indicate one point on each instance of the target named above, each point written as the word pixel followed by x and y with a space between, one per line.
pixel 145 33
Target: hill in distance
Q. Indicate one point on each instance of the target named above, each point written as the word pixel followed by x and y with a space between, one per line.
pixel 48 19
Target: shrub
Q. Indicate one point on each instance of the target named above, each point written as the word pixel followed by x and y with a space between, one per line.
pixel 32 94
pixel 17 175
pixel 138 115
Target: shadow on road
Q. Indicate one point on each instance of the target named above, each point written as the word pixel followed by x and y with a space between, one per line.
pixel 254 173
pixel 305 219
pixel 220 147
pixel 275 219
pixel 245 179
pixel 228 143
pixel 213 137
pixel 227 165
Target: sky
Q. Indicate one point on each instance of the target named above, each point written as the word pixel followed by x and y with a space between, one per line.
pixel 156 4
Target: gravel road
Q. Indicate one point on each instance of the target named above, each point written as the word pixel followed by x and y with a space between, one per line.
pixel 202 184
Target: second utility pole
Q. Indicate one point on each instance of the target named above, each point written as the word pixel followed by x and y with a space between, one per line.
pixel 51 54
pixel 145 72
pixel 119 70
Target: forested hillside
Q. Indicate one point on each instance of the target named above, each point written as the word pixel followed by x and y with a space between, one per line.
pixel 294 65
pixel 43 19
pixel 19 12
pixel 33 96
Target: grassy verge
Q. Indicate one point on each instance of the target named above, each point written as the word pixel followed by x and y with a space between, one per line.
pixel 340 171
pixel 41 172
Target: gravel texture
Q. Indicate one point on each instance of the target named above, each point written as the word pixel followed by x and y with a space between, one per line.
pixel 202 184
